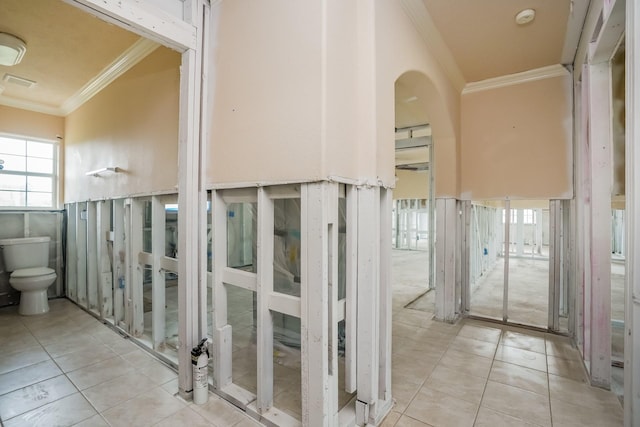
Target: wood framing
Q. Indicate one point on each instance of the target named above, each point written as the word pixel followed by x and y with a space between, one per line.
pixel 222 358
pixel 555 256
pixel 507 243
pixel 632 189
pixel 351 309
pixel 386 296
pixel 319 218
pixel 92 259
pixel 446 225
pixel 600 232
pixel 105 278
pixel 81 252
pixel 60 255
pixel 72 252
pixel 118 262
pixel 158 237
pixel 264 400
pixel 143 19
pixel 368 298
pixel 191 325
pixel 465 297
pixel 136 271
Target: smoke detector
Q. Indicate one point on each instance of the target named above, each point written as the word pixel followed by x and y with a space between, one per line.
pixel 12 49
pixel 525 16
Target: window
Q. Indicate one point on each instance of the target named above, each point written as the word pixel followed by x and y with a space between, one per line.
pixel 28 175
pixel 529 216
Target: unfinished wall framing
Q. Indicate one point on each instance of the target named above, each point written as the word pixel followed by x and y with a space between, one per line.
pixel 122 264
pixel 298 258
pixel 518 262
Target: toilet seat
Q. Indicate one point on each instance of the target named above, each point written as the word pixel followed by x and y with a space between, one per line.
pixel 31 272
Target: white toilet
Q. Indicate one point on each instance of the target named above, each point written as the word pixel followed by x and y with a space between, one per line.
pixel 27 258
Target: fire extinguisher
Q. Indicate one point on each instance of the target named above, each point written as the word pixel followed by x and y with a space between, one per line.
pixel 200 362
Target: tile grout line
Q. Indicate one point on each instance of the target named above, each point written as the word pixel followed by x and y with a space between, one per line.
pixel 486 383
pixel 546 359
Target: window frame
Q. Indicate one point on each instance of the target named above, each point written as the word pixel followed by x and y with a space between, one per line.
pixel 54 175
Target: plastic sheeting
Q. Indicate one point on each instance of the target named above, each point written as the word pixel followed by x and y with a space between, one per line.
pixel 242 252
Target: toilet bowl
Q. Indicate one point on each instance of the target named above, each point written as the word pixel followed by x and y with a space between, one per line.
pixel 33 284
pixel 27 258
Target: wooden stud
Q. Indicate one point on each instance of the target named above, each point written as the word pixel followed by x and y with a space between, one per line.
pixel 632 190
pixel 191 325
pixel 315 305
pixel 119 262
pixel 145 20
pixel 432 216
pixel 59 254
pixel 446 223
pixel 81 252
pixel 507 245
pixel 136 272
pixel 351 330
pixel 386 297
pixel 158 286
pixel 92 258
pixel 368 296
pixel 223 346
pixel 105 276
pixel 555 218
pixel 72 252
pixel 265 287
pixel 582 270
pixel 600 233
pixel 465 297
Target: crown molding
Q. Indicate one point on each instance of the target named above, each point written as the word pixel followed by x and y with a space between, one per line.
pixel 130 57
pixel 515 79
pixel 123 63
pixel 419 16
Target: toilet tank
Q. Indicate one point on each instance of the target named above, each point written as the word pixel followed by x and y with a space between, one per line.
pixel 26 252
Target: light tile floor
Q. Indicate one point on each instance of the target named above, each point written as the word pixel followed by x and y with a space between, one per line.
pixel 483 374
pixel 65 368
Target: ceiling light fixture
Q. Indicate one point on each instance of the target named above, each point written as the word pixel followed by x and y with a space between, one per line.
pixel 12 49
pixel 525 16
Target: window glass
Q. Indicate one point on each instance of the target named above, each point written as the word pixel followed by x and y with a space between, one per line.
pixel 27 173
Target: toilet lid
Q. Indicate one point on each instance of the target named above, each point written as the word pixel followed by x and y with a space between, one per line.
pixel 32 272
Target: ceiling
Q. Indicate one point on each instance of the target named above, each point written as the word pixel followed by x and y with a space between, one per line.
pixel 67 49
pixel 486 42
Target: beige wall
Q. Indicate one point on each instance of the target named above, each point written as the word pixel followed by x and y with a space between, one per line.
pixel 516 141
pixel 28 123
pixel 401 51
pixel 133 125
pixel 266 92
pixel 16 121
pixel 300 93
pixel 411 185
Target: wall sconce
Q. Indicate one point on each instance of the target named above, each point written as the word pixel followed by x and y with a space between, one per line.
pixel 97 172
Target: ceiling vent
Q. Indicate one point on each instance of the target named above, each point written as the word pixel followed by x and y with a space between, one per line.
pixel 20 81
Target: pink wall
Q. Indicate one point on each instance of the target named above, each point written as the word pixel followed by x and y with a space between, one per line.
pixel 516 141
